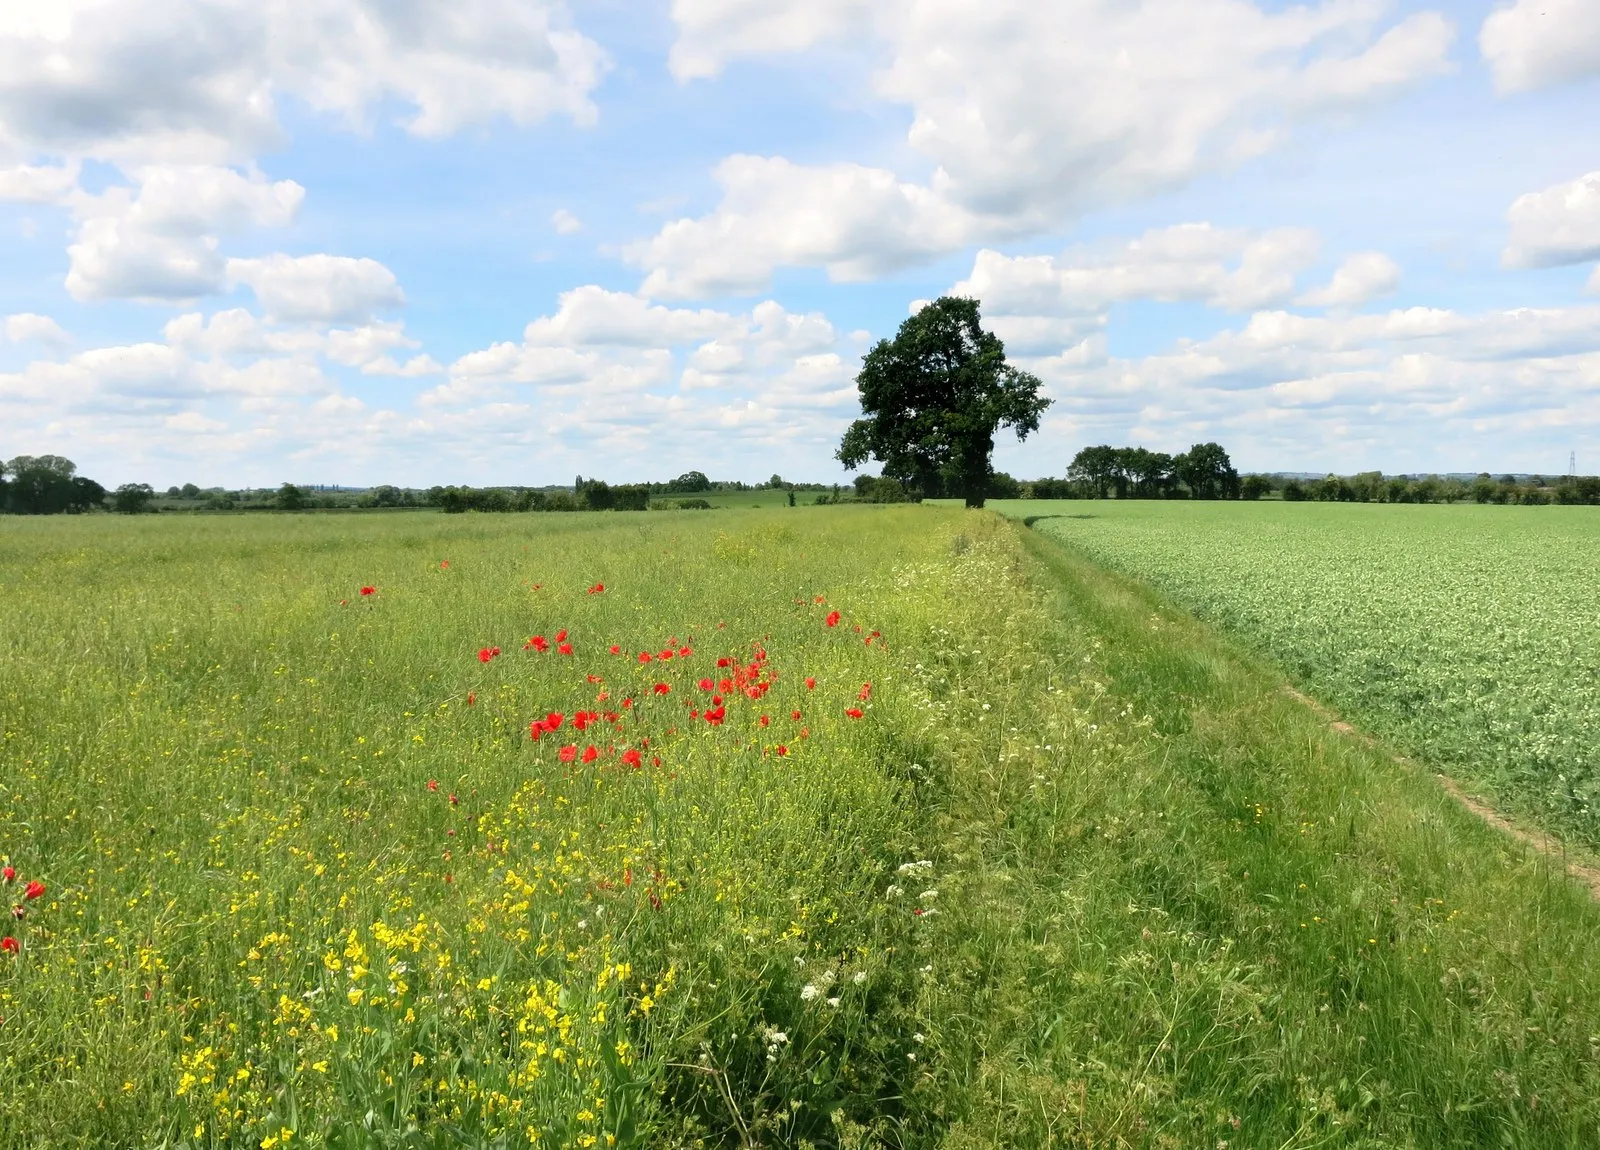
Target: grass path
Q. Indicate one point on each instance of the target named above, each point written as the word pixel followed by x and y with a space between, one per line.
pixel 1231 925
pixel 1581 867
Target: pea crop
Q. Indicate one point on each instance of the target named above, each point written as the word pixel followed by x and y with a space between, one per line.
pixel 1468 635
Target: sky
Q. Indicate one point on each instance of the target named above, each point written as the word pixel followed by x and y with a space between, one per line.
pixel 244 242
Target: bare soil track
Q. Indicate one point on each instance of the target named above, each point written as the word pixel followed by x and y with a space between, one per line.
pixel 1585 872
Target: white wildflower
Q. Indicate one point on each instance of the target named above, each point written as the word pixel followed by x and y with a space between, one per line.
pixel 808 992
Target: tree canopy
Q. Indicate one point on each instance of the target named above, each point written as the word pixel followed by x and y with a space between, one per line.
pixel 932 399
pixel 1204 469
pixel 46 485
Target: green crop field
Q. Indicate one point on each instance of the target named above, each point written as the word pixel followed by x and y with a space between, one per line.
pixel 836 826
pixel 1468 635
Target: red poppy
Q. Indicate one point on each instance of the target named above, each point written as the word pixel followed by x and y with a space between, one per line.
pixel 616 650
pixel 565 648
pixel 444 564
pixel 853 712
pixel 568 753
pixel 716 700
pixel 822 598
pixel 705 684
pixel 433 784
pixel 535 729
pixel 724 662
pixel 661 688
pixel 635 760
pixel 833 619
pixel 811 684
pixel 472 698
pixel 484 654
pixel 33 890
pixel 495 651
pixel 766 721
pixel 794 714
pixel 10 945
pixel 369 590
pixel 626 704
pixel 644 656
pixel 665 655
pixel 590 754
pixel 454 800
pixel 553 720
pixel 580 721
pixel 8 875
pixel 561 635
pixel 865 693
pixel 597 589
pixel 538 643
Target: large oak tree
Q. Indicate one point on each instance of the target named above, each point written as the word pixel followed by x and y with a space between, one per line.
pixel 932 399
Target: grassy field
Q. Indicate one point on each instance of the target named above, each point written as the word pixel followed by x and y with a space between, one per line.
pixel 1466 634
pixel 927 833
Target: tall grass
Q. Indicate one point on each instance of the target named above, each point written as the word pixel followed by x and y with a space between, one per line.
pixel 1078 874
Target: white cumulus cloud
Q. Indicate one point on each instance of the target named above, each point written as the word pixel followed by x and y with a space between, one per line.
pixel 318 288
pixel 199 80
pixel 1029 115
pixel 565 223
pixel 25 326
pixel 1534 43
pixel 160 239
pixel 1361 277
pixel 1050 302
pixel 1559 225
pixel 38 183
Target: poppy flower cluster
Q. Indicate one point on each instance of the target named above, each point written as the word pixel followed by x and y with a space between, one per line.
pixel 540 727
pixel 540 644
pixel 32 891
pixel 487 653
pixel 369 590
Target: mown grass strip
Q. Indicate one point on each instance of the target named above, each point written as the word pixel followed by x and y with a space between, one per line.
pixel 1213 920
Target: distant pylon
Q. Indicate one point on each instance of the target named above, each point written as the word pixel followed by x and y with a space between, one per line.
pixel 1572 463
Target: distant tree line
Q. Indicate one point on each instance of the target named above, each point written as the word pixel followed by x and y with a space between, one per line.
pixel 51 485
pixel 1202 472
pixel 1375 487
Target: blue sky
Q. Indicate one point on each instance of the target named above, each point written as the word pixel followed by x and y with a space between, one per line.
pixel 337 241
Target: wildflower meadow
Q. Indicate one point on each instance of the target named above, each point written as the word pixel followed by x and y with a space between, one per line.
pixel 833 826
